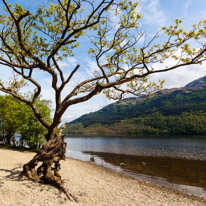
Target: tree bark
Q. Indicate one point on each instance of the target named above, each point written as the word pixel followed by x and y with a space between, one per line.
pixel 49 158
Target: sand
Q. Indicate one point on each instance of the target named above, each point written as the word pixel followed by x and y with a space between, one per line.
pixel 92 185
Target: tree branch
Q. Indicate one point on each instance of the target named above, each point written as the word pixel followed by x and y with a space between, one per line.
pixel 19 35
pixel 86 26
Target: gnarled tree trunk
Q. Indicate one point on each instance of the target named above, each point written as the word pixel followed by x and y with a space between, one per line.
pixel 49 158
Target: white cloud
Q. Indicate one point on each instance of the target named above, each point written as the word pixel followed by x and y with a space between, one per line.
pixel 186 8
pixel 180 76
pixel 68 62
pixel 94 104
pixel 152 13
pixel 72 60
pixel 5 73
pixel 91 66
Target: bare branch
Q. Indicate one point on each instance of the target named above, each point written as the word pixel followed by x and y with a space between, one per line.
pixel 59 69
pixel 143 60
pixel 10 64
pixel 13 93
pixel 72 73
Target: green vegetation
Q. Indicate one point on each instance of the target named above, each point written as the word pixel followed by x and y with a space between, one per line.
pixel 35 41
pixel 17 117
pixel 157 123
pixel 175 111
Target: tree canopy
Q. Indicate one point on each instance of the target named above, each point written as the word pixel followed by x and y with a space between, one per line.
pixel 18 118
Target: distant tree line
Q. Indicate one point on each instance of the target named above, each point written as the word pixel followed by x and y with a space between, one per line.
pixel 157 123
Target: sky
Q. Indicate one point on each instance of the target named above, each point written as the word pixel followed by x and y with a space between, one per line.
pixel 155 14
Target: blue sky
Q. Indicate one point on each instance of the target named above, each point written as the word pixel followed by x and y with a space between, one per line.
pixel 155 14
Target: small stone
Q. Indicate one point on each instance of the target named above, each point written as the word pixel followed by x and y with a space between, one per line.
pixel 92 159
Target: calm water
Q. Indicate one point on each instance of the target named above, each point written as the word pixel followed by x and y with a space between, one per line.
pixel 177 162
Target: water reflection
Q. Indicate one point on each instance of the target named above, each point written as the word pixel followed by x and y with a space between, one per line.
pixel 190 148
pixel 179 171
pixel 176 162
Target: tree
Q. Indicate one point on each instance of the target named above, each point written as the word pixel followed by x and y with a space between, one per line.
pixel 31 130
pixel 17 117
pixel 9 113
pixel 40 39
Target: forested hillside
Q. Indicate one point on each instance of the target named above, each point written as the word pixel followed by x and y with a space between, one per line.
pixel 181 110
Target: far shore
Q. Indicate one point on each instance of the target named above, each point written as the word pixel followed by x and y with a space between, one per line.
pixel 92 185
pixel 135 135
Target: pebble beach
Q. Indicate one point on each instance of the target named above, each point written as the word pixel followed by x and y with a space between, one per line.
pixel 92 185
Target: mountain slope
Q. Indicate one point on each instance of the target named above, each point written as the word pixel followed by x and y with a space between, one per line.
pixel 197 83
pixel 190 99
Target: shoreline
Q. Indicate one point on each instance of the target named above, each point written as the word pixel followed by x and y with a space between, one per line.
pixel 141 181
pixel 91 184
pixel 177 173
pixel 144 181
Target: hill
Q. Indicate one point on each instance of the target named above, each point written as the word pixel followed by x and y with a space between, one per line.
pixel 178 110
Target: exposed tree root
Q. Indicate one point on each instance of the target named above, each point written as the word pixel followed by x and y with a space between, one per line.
pixel 48 172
